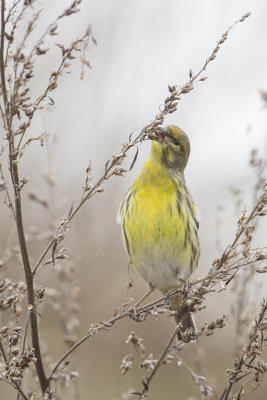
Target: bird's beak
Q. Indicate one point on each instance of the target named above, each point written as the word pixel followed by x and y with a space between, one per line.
pixel 164 131
pixel 160 134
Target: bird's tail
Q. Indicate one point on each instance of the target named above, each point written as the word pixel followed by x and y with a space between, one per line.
pixel 184 314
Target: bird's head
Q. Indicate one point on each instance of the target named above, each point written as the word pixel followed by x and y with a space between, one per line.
pixel 171 147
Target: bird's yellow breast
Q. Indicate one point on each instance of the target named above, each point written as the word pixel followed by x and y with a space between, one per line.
pixel 159 226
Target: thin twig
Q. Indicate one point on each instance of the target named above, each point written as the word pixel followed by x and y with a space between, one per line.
pixel 92 331
pixel 24 342
pixel 10 204
pixel 149 378
pixel 241 361
pixel 16 386
pixel 21 391
pixel 98 327
pixel 239 233
pixel 3 352
pixel 2 63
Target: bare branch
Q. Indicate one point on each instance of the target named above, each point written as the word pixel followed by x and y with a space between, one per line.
pixel 146 382
pixel 248 357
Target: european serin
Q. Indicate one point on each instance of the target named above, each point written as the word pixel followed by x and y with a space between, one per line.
pixel 159 219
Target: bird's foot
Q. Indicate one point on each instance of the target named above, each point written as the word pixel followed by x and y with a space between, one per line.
pixel 166 300
pixel 132 310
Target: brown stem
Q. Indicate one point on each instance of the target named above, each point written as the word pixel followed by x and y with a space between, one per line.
pixel 24 343
pixel 18 216
pixel 10 204
pixel 16 386
pixel 2 64
pixel 28 277
pixel 3 352
pixel 77 344
pixel 238 368
pixel 160 360
pixel 226 392
pixel 239 233
pixel 21 392
pixel 101 326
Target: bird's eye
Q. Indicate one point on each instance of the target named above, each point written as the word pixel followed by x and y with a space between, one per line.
pixel 176 142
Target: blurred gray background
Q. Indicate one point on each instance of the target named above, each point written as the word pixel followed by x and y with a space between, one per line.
pixel 142 47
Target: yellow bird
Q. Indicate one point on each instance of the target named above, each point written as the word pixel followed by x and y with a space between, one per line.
pixel 159 219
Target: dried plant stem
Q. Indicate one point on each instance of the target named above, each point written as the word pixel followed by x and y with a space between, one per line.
pixel 16 386
pixel 98 327
pixel 24 343
pixel 21 391
pixel 104 325
pixel 240 232
pixel 93 330
pixel 3 352
pixel 149 378
pixel 43 256
pixel 71 350
pixel 10 204
pixel 243 358
pixel 27 271
pixel 2 64
pixel 13 166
